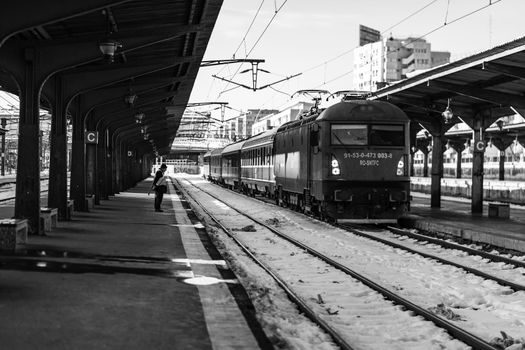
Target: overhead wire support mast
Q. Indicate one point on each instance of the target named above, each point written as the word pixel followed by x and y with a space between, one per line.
pixel 255 69
pixel 210 63
pixel 254 81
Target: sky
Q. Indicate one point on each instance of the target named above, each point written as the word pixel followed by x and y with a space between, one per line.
pixel 317 38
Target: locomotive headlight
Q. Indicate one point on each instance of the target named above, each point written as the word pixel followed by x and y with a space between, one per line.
pixel 335 166
pixel 401 169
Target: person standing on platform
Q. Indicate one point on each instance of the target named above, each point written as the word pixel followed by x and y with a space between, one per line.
pixel 160 186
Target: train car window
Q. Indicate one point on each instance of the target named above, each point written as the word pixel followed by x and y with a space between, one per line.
pixel 314 138
pixel 349 134
pixel 387 135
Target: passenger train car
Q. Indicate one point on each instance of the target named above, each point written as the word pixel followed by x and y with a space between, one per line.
pixel 215 165
pixel 257 172
pixel 231 165
pixel 206 165
pixel 348 162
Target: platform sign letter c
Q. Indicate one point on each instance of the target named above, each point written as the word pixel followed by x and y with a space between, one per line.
pixel 480 146
pixel 91 137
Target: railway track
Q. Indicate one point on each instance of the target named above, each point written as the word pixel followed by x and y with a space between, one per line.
pixel 7 191
pixel 5 200
pixel 474 261
pixel 518 259
pixel 512 268
pixel 341 295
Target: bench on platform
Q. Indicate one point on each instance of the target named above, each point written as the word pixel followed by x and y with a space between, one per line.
pixel 499 210
pixel 13 233
pixel 69 209
pixel 48 218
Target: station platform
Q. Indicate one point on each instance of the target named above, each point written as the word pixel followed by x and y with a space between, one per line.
pixel 455 218
pixel 123 276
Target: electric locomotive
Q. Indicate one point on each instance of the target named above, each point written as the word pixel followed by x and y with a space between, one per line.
pixel 346 163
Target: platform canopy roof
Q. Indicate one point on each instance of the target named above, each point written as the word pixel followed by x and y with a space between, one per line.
pixel 159 47
pixel 479 90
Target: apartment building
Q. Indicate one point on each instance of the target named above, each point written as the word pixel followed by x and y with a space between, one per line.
pixel 389 59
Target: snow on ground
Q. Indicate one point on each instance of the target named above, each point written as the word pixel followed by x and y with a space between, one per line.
pixel 483 307
pixel 283 323
pixel 496 269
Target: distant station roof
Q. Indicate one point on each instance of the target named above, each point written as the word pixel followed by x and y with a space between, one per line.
pixel 481 87
pixel 158 47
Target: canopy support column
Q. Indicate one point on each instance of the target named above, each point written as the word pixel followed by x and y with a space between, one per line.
pixel 477 168
pixel 91 158
pixel 57 197
pixel 437 171
pixel 78 174
pixel 27 201
pixel 101 167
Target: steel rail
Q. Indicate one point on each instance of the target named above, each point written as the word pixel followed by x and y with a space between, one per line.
pixel 514 286
pixel 14 182
pixel 13 198
pixel 293 297
pixel 420 237
pixel 459 333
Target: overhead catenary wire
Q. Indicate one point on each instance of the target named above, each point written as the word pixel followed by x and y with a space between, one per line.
pixel 277 10
pixel 382 32
pixel 267 26
pixel 10 103
pixel 327 80
pixel 243 41
pixel 446 13
pixel 325 63
pixel 279 91
pixel 491 2
pixel 249 28
pixel 409 16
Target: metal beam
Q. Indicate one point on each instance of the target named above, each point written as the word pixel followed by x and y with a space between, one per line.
pixel 511 71
pixel 494 97
pixel 27 14
pixel 76 83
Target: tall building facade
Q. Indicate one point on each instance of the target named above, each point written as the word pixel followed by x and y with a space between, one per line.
pixel 389 59
pixel 245 122
pixel 276 119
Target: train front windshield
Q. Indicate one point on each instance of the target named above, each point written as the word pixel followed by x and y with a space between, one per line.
pixel 372 135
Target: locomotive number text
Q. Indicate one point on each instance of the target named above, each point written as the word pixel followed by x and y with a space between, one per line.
pixel 368 155
pixel 368 158
pixel 369 162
